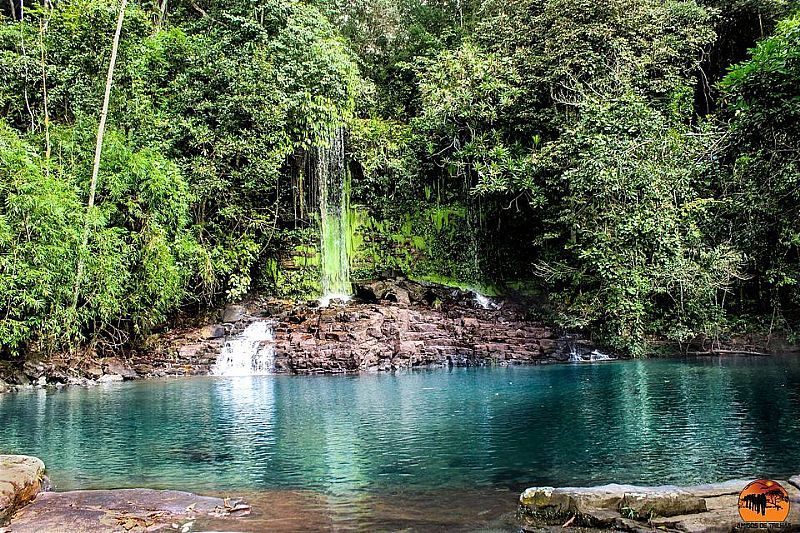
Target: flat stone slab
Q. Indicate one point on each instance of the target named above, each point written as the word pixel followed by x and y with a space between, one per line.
pixel 694 509
pixel 132 510
pixel 20 481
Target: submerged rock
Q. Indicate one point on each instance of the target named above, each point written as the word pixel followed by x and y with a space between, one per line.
pixel 20 481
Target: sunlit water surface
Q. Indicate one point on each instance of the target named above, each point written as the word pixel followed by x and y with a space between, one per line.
pixel 423 449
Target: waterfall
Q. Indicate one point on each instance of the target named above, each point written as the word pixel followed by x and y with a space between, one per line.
pixel 575 356
pixel 329 170
pixel 484 301
pixel 597 355
pixel 250 353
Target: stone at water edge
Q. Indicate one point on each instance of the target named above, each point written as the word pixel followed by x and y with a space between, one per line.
pixel 116 366
pixel 605 505
pixel 20 481
pixel 135 510
pixel 692 509
pixel 644 505
pixel 109 378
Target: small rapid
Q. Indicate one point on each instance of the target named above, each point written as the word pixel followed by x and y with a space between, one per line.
pixel 250 353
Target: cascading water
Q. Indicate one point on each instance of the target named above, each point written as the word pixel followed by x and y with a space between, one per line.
pixel 595 355
pixel 330 172
pixel 484 301
pixel 250 353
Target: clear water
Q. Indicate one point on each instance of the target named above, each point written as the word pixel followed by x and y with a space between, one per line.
pixel 420 437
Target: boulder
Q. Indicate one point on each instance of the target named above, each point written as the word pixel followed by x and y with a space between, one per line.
pixel 114 365
pixel 695 509
pixel 399 295
pixel 795 481
pixel 212 331
pixel 233 313
pixel 601 506
pixel 20 481
pixel 33 370
pixel 16 376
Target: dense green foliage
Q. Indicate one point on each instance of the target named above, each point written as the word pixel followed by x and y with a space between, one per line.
pixel 629 161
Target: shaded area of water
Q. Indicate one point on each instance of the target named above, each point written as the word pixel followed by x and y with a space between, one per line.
pixel 352 441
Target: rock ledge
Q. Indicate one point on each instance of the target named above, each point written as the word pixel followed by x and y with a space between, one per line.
pixel 693 509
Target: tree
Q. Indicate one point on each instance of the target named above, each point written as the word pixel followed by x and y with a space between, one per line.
pixel 760 175
pixel 101 130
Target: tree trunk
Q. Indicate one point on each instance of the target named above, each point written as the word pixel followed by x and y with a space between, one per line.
pixel 101 129
pixel 163 14
pixel 44 22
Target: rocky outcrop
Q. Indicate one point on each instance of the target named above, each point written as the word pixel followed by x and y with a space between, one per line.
pixel 394 336
pixel 21 479
pixel 700 508
pixel 134 510
pixel 388 325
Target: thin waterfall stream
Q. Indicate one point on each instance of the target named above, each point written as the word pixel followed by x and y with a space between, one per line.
pixel 330 171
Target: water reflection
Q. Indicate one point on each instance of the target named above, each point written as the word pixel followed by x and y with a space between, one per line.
pixel 354 439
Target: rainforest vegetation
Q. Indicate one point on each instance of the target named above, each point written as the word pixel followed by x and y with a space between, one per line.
pixel 635 164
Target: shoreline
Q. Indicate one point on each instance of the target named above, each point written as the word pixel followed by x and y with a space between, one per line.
pixel 388 326
pixel 687 508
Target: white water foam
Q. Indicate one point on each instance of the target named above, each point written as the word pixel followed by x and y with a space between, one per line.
pixel 484 301
pixel 596 355
pixel 325 300
pixel 251 353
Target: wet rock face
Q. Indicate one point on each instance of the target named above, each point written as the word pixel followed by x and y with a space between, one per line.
pixel 394 336
pixel 20 481
pixel 388 325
